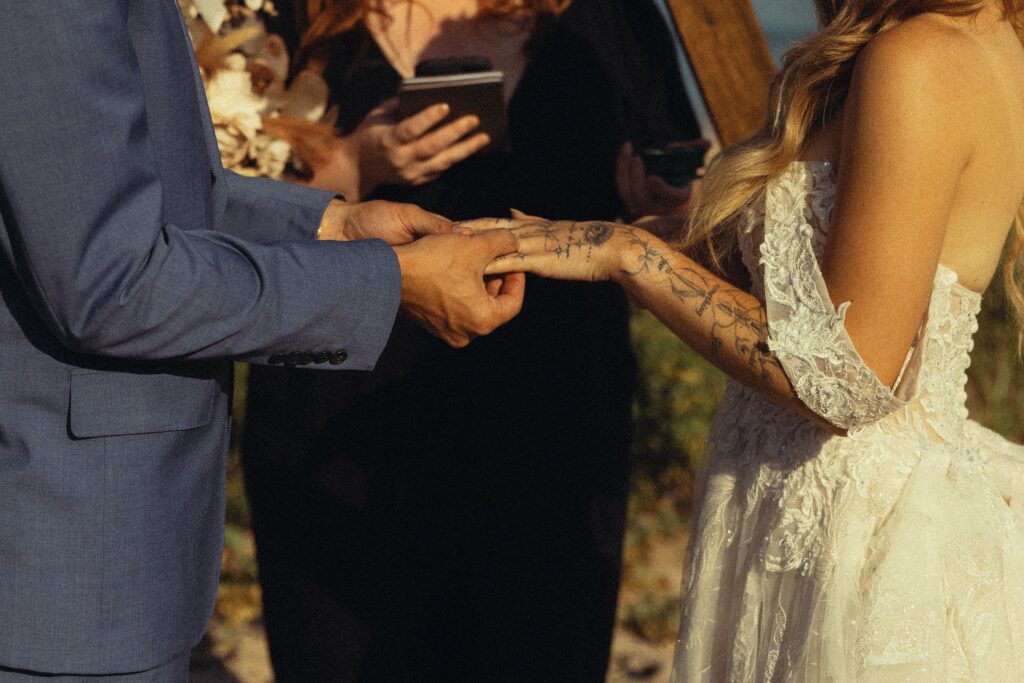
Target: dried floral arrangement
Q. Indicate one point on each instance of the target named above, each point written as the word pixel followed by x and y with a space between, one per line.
pixel 265 125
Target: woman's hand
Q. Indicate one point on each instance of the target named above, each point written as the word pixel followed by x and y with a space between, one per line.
pixel 565 250
pixel 385 151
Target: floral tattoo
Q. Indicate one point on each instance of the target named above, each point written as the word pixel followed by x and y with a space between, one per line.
pixel 734 321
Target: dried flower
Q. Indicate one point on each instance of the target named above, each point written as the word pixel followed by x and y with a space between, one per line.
pixel 244 71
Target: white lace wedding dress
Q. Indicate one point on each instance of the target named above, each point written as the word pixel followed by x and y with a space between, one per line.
pixel 893 554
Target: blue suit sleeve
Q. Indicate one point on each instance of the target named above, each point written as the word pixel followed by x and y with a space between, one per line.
pixel 82 219
pixel 265 210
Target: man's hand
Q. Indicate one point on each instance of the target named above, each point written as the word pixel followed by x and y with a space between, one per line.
pixel 394 223
pixel 443 286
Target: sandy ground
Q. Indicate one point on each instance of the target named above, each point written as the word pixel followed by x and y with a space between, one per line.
pixel 240 657
pixel 633 660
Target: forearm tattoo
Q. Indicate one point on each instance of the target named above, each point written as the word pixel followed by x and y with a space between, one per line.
pixel 734 320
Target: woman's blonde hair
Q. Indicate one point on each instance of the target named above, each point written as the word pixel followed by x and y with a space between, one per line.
pixel 809 91
pixel 321 20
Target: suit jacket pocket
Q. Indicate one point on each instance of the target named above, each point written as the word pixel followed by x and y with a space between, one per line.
pixel 118 403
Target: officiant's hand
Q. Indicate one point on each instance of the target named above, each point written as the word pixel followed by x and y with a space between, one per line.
pixel 651 202
pixel 444 288
pixel 394 223
pixel 386 150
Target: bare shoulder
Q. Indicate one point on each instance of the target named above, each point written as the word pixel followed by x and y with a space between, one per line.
pixel 924 55
pixel 921 80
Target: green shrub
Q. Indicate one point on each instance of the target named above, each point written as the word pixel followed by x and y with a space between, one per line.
pixel 677 396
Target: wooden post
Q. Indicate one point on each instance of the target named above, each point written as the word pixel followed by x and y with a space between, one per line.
pixel 731 60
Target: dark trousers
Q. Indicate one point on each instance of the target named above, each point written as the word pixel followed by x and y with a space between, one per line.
pixel 347 599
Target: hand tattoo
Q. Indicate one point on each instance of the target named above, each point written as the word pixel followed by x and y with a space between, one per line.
pixel 565 240
pixel 598 233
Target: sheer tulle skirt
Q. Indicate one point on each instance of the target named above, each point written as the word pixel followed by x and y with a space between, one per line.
pixel 883 556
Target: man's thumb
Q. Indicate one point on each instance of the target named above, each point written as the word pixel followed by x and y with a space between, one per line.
pixel 425 223
pixel 495 243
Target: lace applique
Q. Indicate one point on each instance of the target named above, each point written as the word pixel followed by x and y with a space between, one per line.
pixel 952 321
pixel 807 333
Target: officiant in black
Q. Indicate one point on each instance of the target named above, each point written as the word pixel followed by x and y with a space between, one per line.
pixel 458 514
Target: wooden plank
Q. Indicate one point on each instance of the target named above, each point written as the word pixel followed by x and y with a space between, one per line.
pixel 731 60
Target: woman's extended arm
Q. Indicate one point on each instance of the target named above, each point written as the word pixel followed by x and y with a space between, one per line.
pixel 726 325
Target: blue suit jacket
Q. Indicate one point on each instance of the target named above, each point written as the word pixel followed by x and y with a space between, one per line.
pixel 132 267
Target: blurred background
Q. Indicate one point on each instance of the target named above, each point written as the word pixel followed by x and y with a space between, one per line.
pixel 785 21
pixel 677 398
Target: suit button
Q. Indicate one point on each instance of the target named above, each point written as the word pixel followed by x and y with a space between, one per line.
pixel 292 359
pixel 321 357
pixel 303 358
pixel 337 357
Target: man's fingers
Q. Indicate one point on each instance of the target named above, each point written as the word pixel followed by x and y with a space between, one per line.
pixel 513 284
pixel 416 125
pixel 456 341
pixel 518 221
pixel 422 223
pixel 493 286
pixel 506 265
pixel 437 141
pixel 509 301
pixel 482 224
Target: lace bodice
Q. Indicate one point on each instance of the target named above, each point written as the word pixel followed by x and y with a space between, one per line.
pixel 782 242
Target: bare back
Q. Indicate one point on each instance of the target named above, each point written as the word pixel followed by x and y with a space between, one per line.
pixel 991 187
